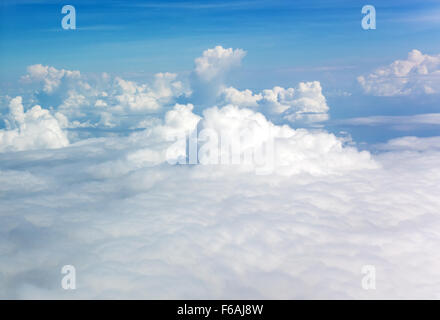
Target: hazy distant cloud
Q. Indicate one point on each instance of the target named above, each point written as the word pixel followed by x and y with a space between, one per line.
pixel 397 121
pixel 411 144
pixel 419 74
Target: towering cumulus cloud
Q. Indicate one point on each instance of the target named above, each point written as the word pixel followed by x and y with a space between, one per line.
pixel 217 61
pixel 149 191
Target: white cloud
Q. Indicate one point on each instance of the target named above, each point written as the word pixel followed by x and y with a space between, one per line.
pixel 73 106
pixel 104 101
pixel 49 76
pixel 215 232
pixel 296 104
pixel 100 103
pixel 424 119
pixel 411 144
pixel 239 98
pixel 136 97
pixel 179 120
pixel 294 151
pixel 305 102
pixel 419 74
pixel 33 129
pixel 217 61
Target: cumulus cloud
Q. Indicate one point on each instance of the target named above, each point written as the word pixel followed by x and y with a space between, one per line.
pixel 280 149
pixel 246 140
pixel 298 103
pixel 418 74
pixel 239 98
pixel 104 101
pixel 305 102
pixel 49 76
pixel 211 72
pixel 143 98
pixel 33 129
pixel 110 102
pixel 217 61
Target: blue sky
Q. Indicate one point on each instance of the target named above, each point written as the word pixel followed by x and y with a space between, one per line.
pixel 286 42
pixel 153 36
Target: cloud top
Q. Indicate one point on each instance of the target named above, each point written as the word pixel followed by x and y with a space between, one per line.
pixel 33 129
pixel 418 74
pixel 217 61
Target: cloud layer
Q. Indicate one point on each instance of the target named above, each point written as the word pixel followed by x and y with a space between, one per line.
pixel 264 210
pixel 133 230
